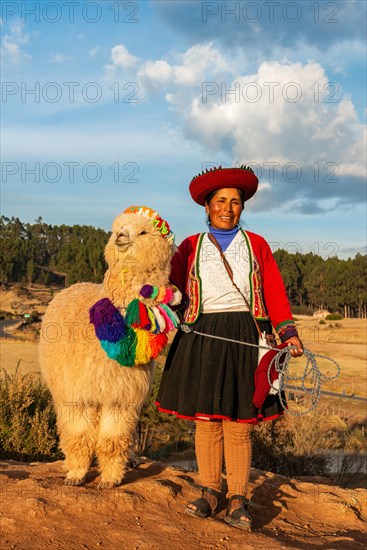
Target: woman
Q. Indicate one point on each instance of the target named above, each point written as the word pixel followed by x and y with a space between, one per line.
pixel 232 289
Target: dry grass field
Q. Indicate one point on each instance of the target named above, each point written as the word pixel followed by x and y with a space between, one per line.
pixel 344 341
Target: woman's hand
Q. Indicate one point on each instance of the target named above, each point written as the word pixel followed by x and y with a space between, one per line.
pixel 295 341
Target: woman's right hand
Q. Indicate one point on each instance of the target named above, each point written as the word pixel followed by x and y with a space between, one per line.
pixel 295 341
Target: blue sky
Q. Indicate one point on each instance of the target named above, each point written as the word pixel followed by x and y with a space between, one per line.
pixel 106 104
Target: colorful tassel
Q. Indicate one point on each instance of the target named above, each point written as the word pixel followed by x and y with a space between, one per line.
pixel 159 319
pixel 156 343
pixel 101 311
pixel 169 323
pixel 142 355
pixel 176 317
pixel 132 313
pixel 126 357
pixel 139 337
pixel 170 314
pixel 108 322
pixel 153 323
pixel 144 318
pixel 111 348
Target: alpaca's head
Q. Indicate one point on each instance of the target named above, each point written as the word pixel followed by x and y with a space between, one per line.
pixel 136 244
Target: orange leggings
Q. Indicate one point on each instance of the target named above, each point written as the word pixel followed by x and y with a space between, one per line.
pixel 210 439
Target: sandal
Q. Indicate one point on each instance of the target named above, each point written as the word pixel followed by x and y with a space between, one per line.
pixel 235 518
pixel 203 508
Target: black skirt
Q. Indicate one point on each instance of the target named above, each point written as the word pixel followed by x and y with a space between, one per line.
pixel 214 379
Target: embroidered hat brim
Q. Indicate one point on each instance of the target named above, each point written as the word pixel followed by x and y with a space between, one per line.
pixel 237 178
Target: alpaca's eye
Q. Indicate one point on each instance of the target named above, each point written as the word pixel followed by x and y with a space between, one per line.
pixel 143 233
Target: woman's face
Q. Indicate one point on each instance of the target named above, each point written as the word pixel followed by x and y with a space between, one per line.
pixel 225 208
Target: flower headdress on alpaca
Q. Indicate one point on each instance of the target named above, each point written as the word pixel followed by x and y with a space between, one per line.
pixel 155 219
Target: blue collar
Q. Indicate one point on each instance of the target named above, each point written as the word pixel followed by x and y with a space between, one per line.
pixel 224 236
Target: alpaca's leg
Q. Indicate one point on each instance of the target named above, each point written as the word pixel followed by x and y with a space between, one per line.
pixel 116 429
pixel 78 427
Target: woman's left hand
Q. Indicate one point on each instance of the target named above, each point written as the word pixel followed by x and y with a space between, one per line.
pixel 295 341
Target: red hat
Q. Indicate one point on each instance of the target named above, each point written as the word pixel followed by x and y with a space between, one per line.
pixel 242 178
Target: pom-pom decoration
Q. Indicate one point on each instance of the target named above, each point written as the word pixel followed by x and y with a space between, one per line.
pixel 168 296
pixel 154 292
pixel 146 291
pixel 140 335
pixel 161 294
pixel 176 297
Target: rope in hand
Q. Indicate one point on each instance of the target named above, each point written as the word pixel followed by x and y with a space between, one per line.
pixel 281 364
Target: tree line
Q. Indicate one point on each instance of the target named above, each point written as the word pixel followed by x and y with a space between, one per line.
pixel 63 255
pixel 333 284
pixel 51 254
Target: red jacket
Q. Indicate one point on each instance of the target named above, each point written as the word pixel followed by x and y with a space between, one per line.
pixel 268 298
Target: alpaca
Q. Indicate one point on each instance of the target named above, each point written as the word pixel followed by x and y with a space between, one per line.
pixel 98 399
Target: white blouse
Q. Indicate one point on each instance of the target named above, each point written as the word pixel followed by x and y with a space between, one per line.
pixel 218 292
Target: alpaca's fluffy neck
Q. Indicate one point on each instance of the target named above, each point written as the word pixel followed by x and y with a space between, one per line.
pixel 122 287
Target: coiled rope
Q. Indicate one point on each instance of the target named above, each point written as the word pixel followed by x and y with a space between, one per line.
pixel 281 360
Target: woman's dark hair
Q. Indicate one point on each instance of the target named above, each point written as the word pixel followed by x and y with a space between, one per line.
pixel 210 195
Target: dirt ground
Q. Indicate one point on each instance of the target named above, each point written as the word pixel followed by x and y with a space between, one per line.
pixel 38 511
pixel 21 299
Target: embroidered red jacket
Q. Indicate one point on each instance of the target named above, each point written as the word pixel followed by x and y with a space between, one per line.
pixel 268 298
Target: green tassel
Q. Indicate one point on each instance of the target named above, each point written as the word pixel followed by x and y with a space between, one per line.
pixel 132 313
pixel 167 309
pixel 126 357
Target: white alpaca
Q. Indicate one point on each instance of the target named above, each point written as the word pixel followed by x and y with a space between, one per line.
pixel 97 400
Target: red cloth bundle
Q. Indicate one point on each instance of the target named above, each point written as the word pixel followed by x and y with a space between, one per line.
pixel 262 385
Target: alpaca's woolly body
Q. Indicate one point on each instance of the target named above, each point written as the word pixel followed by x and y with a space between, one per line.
pixel 97 401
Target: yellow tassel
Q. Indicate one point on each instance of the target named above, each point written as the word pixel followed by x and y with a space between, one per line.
pixel 142 349
pixel 152 320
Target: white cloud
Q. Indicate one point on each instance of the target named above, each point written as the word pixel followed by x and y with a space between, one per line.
pixel 157 73
pixel 59 58
pixel 284 113
pixel 121 57
pixel 197 61
pixel 12 51
pixel 187 69
pixel 280 113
